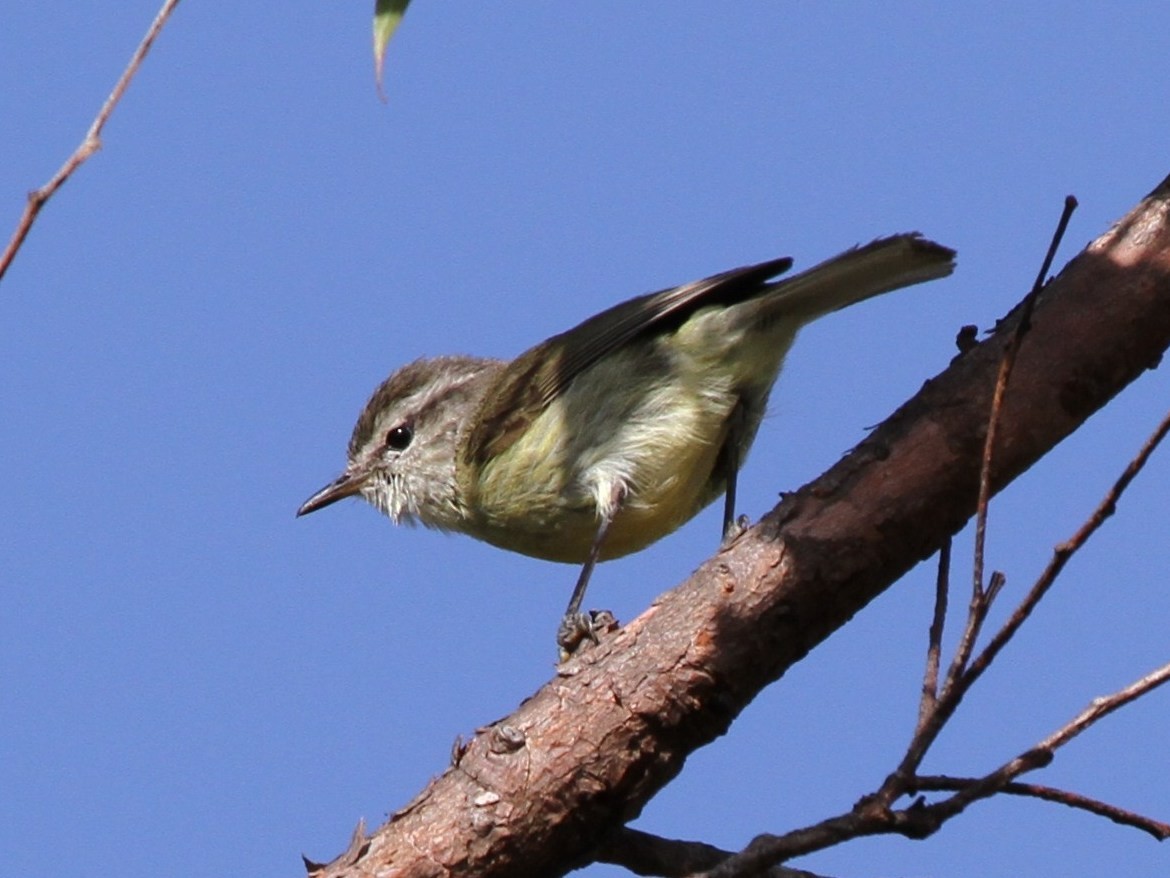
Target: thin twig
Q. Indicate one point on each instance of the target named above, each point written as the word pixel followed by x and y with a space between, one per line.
pixel 938 704
pixel 1100 708
pixel 765 851
pixel 937 625
pixel 977 612
pixel 1005 370
pixel 931 721
pixel 1043 753
pixel 1157 828
pixel 1064 552
pixel 982 597
pixel 873 816
pixel 91 144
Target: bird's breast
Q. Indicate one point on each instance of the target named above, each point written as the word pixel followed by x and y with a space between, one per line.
pixel 545 495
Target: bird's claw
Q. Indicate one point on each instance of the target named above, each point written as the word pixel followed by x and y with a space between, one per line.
pixel 735 530
pixel 576 628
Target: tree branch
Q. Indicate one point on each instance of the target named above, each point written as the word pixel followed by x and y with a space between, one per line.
pixel 873 815
pixel 646 854
pixel 542 790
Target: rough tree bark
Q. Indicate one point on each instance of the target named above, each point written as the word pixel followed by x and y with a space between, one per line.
pixel 535 792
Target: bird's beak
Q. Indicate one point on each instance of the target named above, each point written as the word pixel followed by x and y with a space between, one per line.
pixel 346 486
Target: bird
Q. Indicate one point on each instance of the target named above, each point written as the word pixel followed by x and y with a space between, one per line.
pixel 601 440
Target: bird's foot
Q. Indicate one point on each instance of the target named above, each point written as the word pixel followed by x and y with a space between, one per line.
pixel 735 530
pixel 577 628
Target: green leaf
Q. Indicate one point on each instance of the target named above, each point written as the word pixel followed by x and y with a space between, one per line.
pixel 387 16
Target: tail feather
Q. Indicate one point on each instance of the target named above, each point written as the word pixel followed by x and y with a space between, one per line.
pixel 858 274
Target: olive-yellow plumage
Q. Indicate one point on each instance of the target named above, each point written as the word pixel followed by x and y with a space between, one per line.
pixel 603 439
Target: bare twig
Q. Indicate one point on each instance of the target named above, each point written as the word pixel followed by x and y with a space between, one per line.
pixel 932 719
pixel 1063 552
pixel 982 596
pixel 765 851
pixel 936 706
pixel 1005 370
pixel 935 711
pixel 1157 828
pixel 977 611
pixel 937 625
pixel 1044 752
pixel 1102 707
pixel 873 816
pixel 91 144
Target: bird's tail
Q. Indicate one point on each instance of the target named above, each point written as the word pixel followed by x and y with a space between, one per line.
pixel 858 274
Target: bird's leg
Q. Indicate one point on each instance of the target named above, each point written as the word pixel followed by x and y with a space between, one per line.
pixel 730 461
pixel 576 627
pixel 729 496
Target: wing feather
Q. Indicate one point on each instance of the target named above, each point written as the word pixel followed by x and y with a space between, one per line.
pixel 528 385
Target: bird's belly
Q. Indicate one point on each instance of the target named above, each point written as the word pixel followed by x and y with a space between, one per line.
pixel 662 499
pixel 551 511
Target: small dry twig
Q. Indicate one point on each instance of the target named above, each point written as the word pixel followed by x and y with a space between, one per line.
pixel 937 626
pixel 936 706
pixel 1157 828
pixel 872 815
pixel 91 144
pixel 1064 552
pixel 1005 370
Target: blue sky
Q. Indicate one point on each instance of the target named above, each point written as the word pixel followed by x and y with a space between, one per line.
pixel 191 676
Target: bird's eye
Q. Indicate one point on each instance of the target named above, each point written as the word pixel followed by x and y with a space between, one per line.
pixel 399 437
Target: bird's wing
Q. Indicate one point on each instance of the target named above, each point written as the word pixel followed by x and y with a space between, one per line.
pixel 528 385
